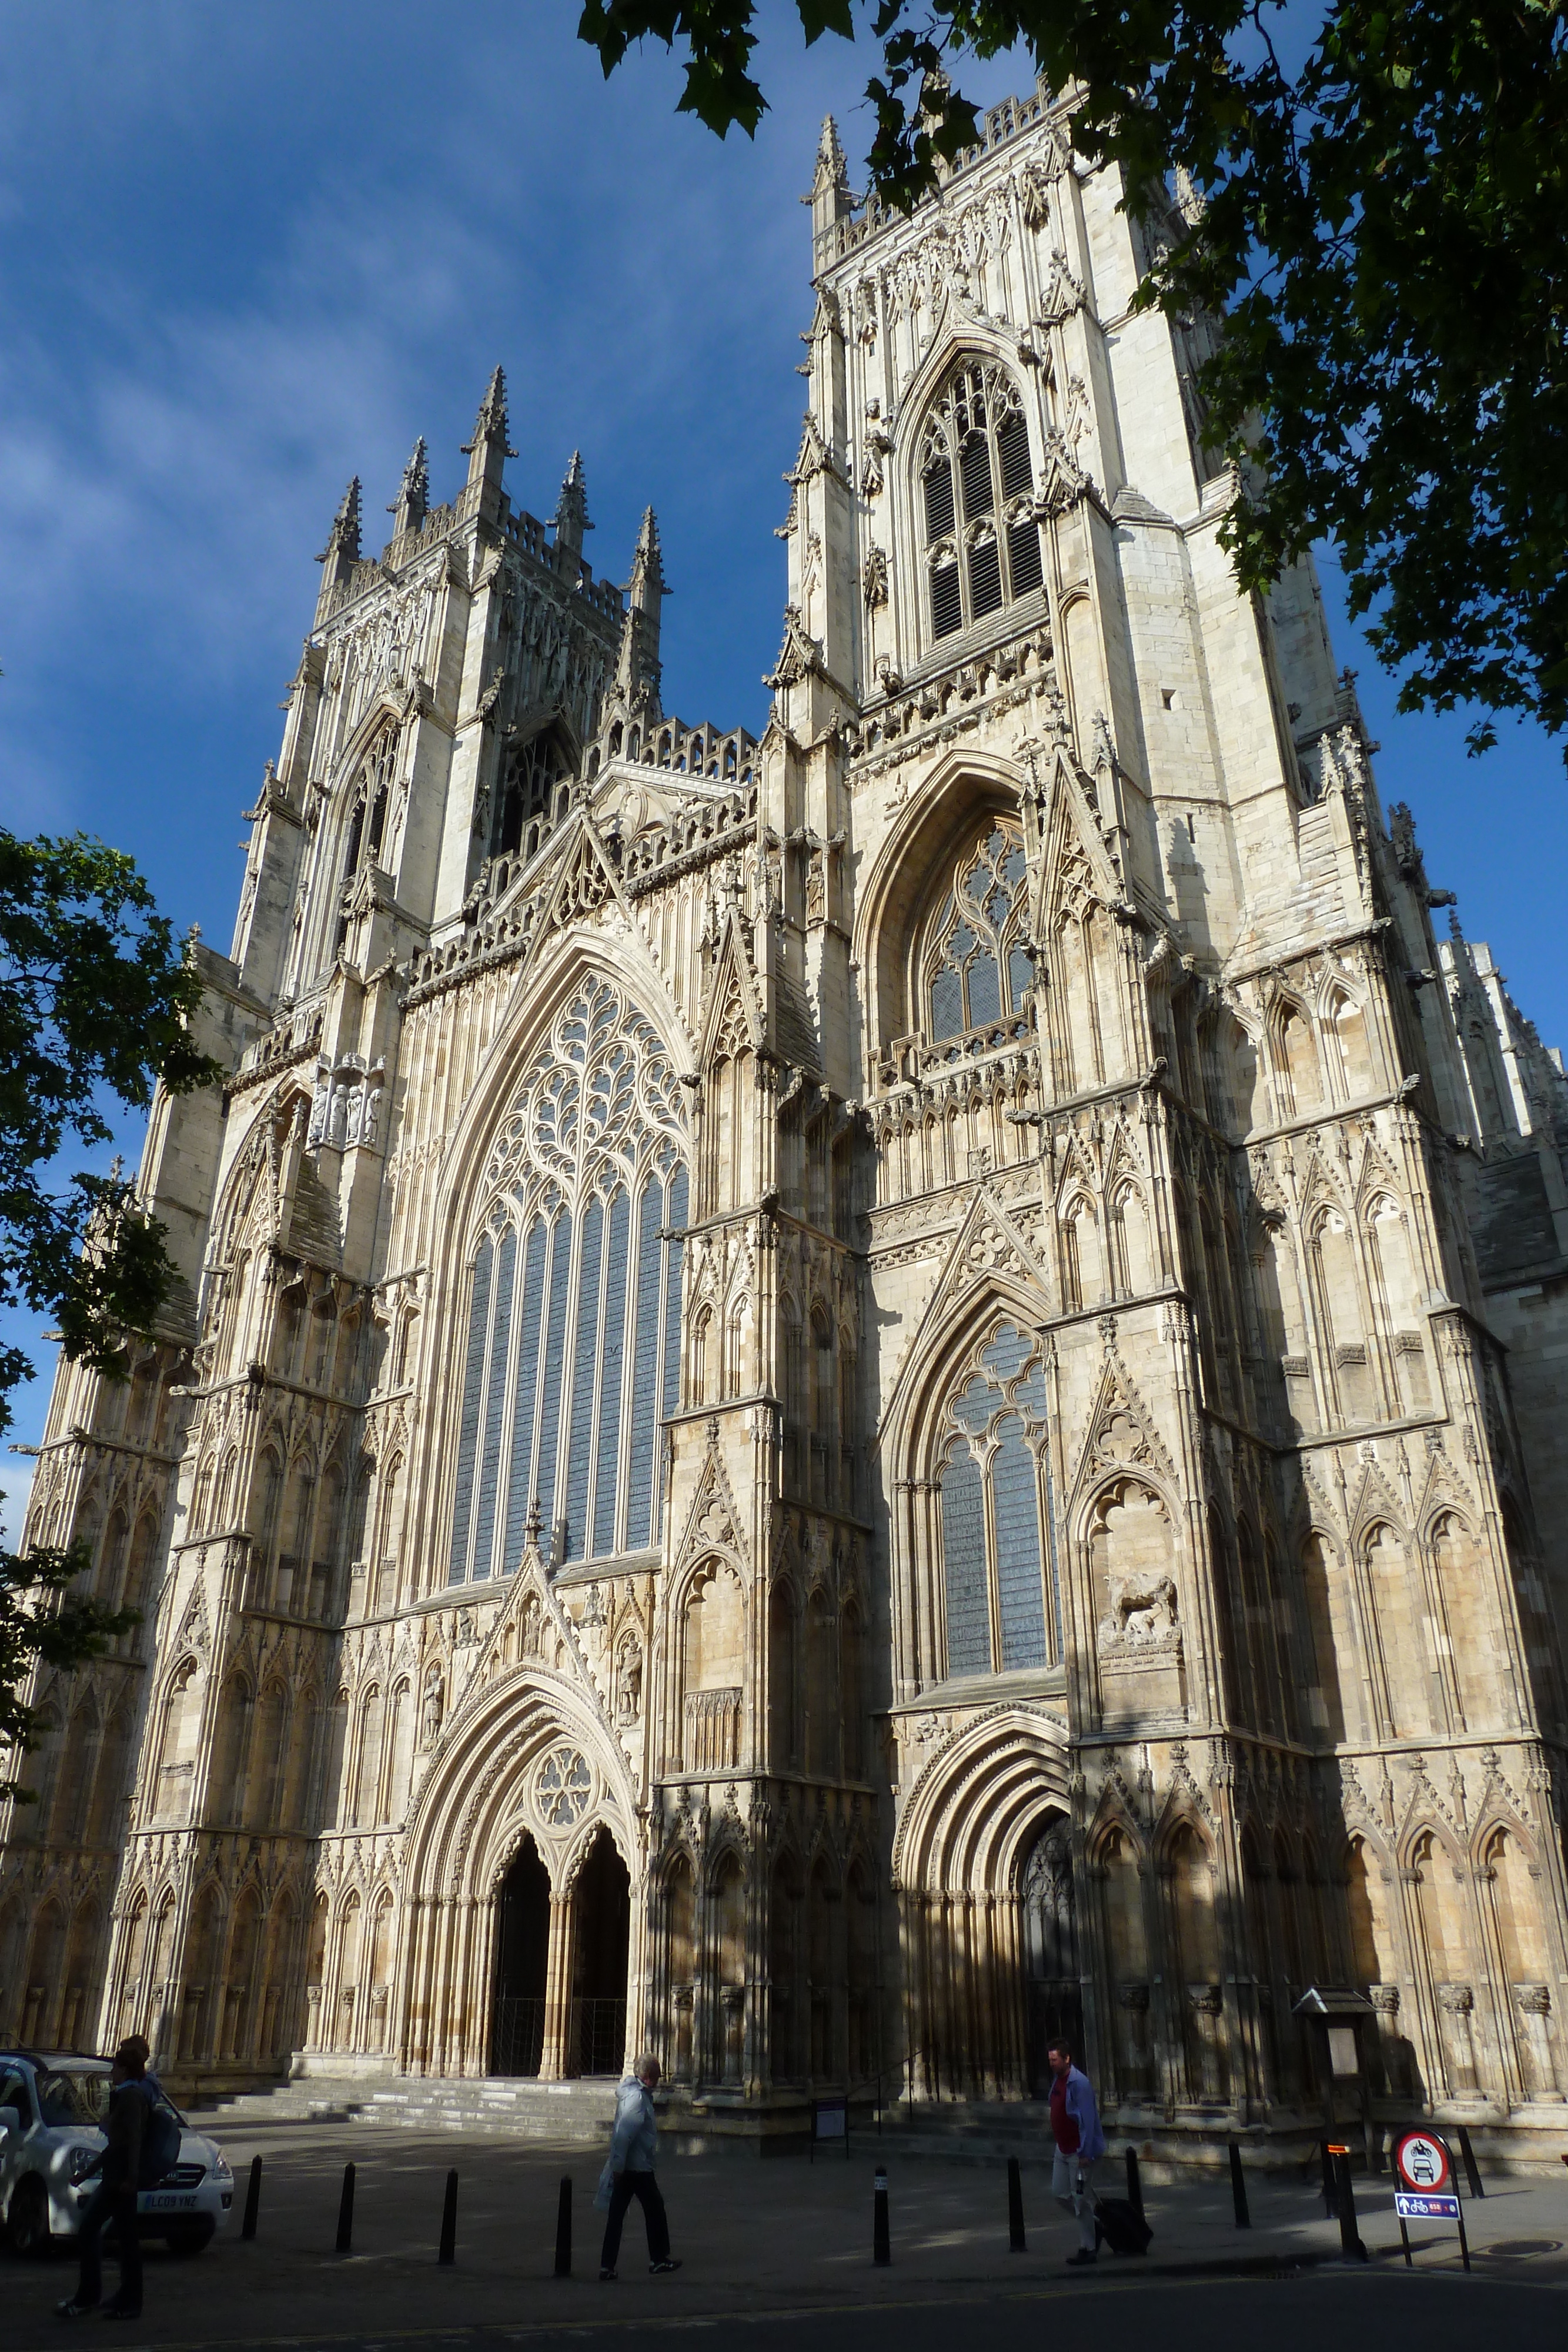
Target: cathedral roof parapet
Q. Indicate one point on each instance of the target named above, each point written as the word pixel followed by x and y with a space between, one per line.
pixel 841 232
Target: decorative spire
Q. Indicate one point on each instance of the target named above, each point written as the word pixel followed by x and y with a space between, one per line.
pixel 830 199
pixel 488 452
pixel 342 552
pixel 637 672
pixel 832 168
pixel 411 504
pixel 648 583
pixel 571 510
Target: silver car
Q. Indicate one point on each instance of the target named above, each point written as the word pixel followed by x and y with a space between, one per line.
pixel 52 2106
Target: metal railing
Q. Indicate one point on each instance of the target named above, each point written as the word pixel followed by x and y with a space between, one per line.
pixel 598 2037
pixel 518 2040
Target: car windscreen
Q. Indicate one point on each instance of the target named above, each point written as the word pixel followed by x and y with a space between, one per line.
pixel 73 2095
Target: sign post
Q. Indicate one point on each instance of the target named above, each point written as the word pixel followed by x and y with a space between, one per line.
pixel 1424 2187
pixel 830 2120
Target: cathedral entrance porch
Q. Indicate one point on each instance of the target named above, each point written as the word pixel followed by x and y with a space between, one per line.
pixel 560 2003
pixel 525 1926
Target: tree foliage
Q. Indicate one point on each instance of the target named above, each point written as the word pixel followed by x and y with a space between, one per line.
pixel 43 1623
pixel 96 1000
pixel 1376 212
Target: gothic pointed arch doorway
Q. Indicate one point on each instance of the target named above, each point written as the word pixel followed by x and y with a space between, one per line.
pixel 1049 1936
pixel 522 1965
pixel 601 1930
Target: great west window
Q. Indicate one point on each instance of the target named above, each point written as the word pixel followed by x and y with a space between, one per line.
pixel 573 1340
pixel 976 486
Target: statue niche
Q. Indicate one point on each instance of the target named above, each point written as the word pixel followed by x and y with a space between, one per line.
pixel 1138 1636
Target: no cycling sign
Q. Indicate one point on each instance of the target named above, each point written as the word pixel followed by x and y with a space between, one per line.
pixel 1424 2172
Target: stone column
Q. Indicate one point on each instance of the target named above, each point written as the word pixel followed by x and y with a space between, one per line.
pixel 732 2033
pixel 1534 2004
pixel 685 1999
pixel 1455 2003
pixel 555 2061
pixel 1385 2000
pixel 1205 2002
pixel 1134 2001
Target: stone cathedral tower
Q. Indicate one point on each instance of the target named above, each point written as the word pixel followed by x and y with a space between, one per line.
pixel 840 1399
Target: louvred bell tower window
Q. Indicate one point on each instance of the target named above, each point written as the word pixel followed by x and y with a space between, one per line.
pixel 982 542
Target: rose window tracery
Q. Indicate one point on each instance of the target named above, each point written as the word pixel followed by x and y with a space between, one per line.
pixel 562 1788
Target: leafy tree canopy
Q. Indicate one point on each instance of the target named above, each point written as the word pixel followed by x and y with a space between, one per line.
pixel 1376 209
pixel 96 999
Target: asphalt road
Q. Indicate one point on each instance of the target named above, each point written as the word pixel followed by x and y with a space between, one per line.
pixel 1109 2313
pixel 779 2252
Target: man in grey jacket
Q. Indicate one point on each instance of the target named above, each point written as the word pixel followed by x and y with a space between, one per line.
pixel 633 2152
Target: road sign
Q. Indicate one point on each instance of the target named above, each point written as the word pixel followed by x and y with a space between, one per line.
pixel 1421 2162
pixel 1424 2174
pixel 1413 2208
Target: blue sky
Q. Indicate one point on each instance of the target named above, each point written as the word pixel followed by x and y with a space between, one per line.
pixel 244 254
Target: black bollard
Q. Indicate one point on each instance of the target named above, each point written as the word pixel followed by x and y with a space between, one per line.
pixel 1472 2169
pixel 1134 2183
pixel 563 2229
pixel 1016 2244
pixel 345 2211
pixel 881 2253
pixel 251 2199
pixel 448 2253
pixel 1344 2197
pixel 1331 2202
pixel 1239 2188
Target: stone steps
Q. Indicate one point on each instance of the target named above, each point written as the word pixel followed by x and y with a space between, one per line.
pixel 577 2111
pixel 524 2110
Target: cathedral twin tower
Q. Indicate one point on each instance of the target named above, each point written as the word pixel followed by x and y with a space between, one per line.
pixel 840 1399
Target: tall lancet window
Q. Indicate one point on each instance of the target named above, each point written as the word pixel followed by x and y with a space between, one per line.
pixel 973 967
pixel 364 835
pixel 572 1351
pixel 976 486
pixel 1003 1613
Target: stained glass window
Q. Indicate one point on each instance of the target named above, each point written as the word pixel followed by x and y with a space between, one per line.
pixel 974 965
pixel 1002 1611
pixel 982 542
pixel 574 1322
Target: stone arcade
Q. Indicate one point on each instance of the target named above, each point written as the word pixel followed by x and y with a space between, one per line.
pixel 837 1398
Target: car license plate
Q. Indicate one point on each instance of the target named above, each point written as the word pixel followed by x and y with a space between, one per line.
pixel 168 2204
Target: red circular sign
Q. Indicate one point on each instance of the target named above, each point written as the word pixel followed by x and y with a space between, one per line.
pixel 1421 2160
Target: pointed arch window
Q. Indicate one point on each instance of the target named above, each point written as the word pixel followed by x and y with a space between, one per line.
pixel 977 487
pixel 1002 1610
pixel 973 967
pixel 572 1351
pixel 365 834
pixel 534 792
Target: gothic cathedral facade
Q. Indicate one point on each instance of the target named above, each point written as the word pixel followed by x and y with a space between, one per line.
pixel 840 1399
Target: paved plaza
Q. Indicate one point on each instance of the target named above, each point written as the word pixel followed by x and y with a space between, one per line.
pixel 783 2247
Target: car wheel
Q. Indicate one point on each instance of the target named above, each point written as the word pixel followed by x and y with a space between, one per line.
pixel 27 2222
pixel 187 2238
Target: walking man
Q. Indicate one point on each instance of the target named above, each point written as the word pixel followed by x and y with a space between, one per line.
pixel 1075 2127
pixel 114 2198
pixel 633 2151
